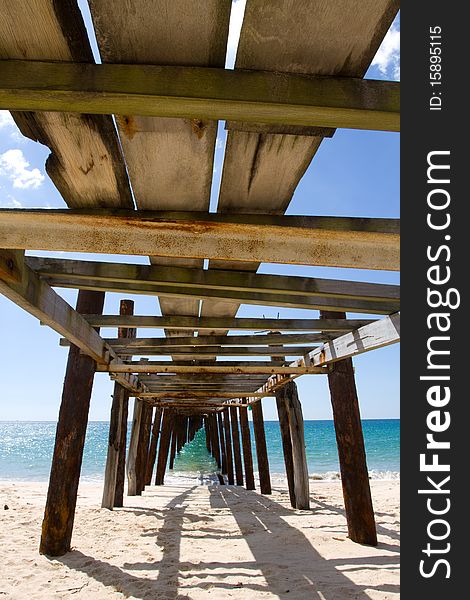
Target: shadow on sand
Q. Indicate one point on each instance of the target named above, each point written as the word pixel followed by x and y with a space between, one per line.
pixel 273 542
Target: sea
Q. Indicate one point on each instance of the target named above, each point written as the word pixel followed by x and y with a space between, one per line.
pixel 26 451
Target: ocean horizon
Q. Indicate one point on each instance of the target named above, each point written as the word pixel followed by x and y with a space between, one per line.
pixel 26 451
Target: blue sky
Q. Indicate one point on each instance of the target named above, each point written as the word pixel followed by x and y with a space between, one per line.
pixel 354 174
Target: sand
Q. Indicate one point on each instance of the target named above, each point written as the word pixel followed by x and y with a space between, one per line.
pixel 193 541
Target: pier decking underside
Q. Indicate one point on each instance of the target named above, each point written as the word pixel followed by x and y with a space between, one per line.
pixel 132 145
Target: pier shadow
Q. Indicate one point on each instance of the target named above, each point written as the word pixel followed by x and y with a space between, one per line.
pixel 289 565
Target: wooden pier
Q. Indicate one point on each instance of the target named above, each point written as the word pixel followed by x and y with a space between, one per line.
pixel 140 184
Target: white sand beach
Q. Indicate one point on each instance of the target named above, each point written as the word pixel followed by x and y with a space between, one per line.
pixel 192 542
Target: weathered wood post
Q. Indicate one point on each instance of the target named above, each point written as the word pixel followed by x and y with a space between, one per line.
pixel 174 441
pixel 236 445
pixel 167 426
pixel 228 446
pixel 246 443
pixel 143 446
pixel 261 449
pixel 157 419
pixel 222 443
pixel 207 431
pixel 132 476
pixel 351 449
pixel 126 308
pixel 119 411
pixel 289 397
pixel 215 439
pixel 61 500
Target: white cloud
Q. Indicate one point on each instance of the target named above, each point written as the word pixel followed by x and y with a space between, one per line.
pixel 14 165
pixel 10 202
pixel 236 20
pixel 6 120
pixel 387 59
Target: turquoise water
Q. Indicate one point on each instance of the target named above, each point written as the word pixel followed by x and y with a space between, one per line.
pixel 26 450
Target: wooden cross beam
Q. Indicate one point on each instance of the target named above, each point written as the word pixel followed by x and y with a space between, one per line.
pixel 251 367
pixel 203 324
pixel 26 289
pixel 246 238
pixel 200 93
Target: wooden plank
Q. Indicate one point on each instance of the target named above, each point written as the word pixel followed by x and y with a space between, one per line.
pixel 378 334
pixel 236 445
pixel 74 270
pixel 261 449
pixel 200 93
pixel 361 305
pixel 85 164
pixel 204 324
pixel 73 232
pixel 352 454
pixel 69 443
pixel 202 351
pixel 229 367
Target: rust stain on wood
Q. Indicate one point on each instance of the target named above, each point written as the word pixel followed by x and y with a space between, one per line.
pixel 198 127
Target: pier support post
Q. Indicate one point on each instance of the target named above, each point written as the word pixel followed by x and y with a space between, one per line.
pixel 222 443
pixel 289 397
pixel 117 429
pixel 351 449
pixel 132 476
pixel 215 439
pixel 261 449
pixel 228 446
pixel 167 426
pixel 174 442
pixel 236 445
pixel 143 446
pixel 157 419
pixel 286 444
pixel 246 444
pixel 61 500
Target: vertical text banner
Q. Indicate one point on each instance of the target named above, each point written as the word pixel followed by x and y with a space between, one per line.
pixel 435 271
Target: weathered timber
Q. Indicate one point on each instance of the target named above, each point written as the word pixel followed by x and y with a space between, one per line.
pixel 377 334
pixel 157 419
pixel 203 394
pixel 207 432
pixel 200 93
pixel 228 445
pixel 352 454
pixel 289 396
pixel 205 324
pixel 174 436
pixel 143 446
pixel 246 444
pixel 132 467
pixel 216 453
pixel 113 488
pixel 167 426
pixel 61 500
pixel 236 445
pixel 76 270
pixel 208 367
pixel 218 351
pixel 261 449
pixel 125 232
pixel 223 451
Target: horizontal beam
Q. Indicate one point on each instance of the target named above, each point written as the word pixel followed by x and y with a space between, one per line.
pixel 159 367
pixel 26 289
pixel 200 93
pixel 197 395
pixel 204 324
pixel 217 279
pixel 298 240
pixel 378 334
pixel 176 351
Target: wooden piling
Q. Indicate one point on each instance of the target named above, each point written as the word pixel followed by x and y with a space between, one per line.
pixel 215 439
pixel 132 467
pixel 126 307
pixel 228 446
pixel 61 500
pixel 120 397
pixel 167 426
pixel 261 449
pixel 222 443
pixel 237 459
pixel 175 433
pixel 152 455
pixel 286 443
pixel 208 434
pixel 351 449
pixel 289 395
pixel 246 443
pixel 143 446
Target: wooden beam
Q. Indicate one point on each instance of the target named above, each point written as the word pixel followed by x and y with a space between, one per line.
pixel 236 445
pixel 176 351
pixel 136 431
pixel 378 334
pixel 200 93
pixel 167 426
pixel 153 446
pixel 246 444
pixel 261 449
pixel 61 500
pixel 352 454
pixel 35 296
pixel 202 236
pixel 228 445
pixel 204 324
pixel 235 367
pixel 230 281
pixel 223 452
